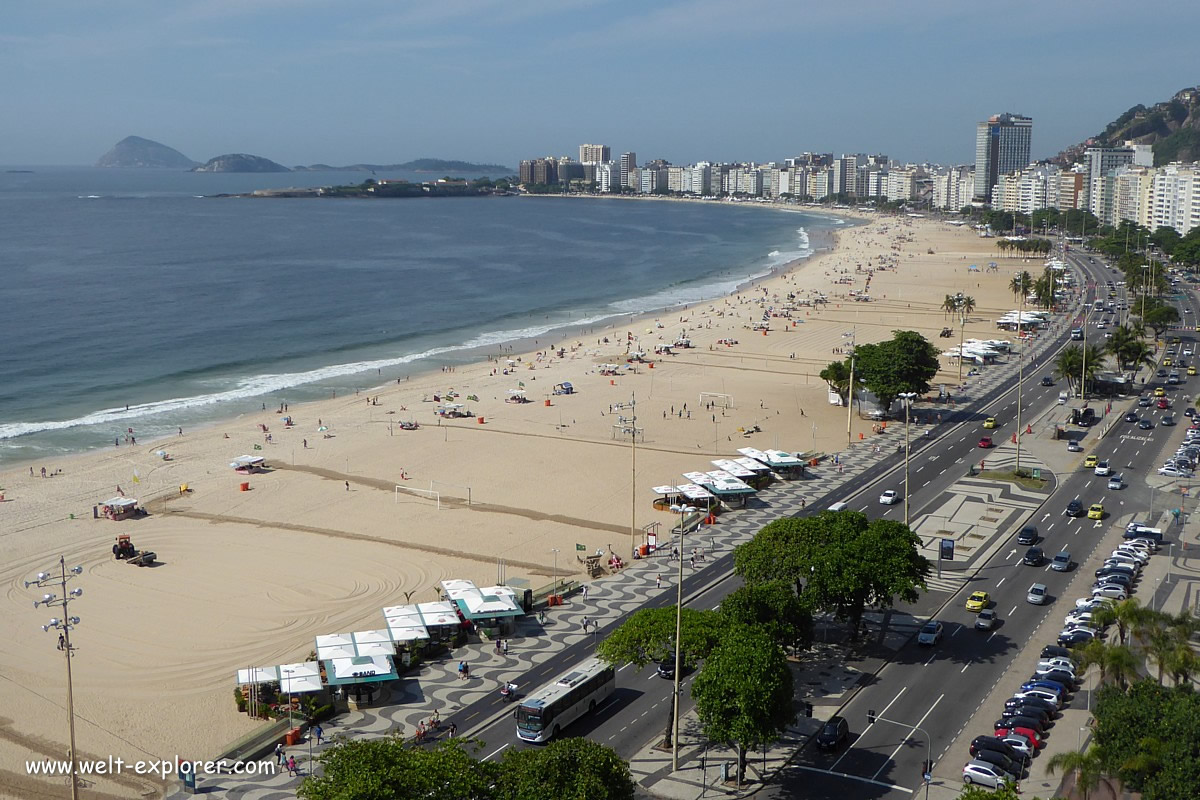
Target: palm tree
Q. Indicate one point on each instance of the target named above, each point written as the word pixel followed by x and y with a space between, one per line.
pixel 966 304
pixel 950 304
pixel 1127 614
pixel 1160 646
pixel 1121 664
pixel 1085 765
pixel 1069 364
pixel 1183 664
pixel 1020 284
pixel 1145 762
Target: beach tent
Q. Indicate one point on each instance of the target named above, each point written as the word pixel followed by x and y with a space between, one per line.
pixel 374 643
pixel 405 623
pixel 732 467
pixel 354 645
pixel 745 469
pixel 121 505
pixel 728 489
pixel 292 678
pixel 490 602
pixel 335 645
pixel 441 613
pixel 361 669
pixel 248 463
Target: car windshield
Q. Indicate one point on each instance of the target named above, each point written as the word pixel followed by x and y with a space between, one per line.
pixel 930 627
pixel 830 729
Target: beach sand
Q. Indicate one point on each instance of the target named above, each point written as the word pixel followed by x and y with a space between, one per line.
pixel 251 577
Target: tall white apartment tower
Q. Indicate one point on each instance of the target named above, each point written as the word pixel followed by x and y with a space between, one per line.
pixel 628 165
pixel 1002 145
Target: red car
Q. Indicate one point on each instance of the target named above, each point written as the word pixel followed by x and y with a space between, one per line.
pixel 1028 733
pixel 985 441
pixel 1162 403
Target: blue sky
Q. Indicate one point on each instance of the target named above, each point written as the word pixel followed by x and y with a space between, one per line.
pixel 337 81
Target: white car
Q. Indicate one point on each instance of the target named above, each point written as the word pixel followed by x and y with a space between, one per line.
pixel 1131 553
pixel 1050 664
pixel 1102 469
pixel 1173 472
pixel 1111 591
pixel 1079 617
pixel 888 497
pixel 1020 745
pixel 1124 563
pixel 1089 603
pixel 985 774
pixel 1039 693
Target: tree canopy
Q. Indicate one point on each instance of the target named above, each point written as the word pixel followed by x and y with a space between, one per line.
pixel 845 562
pixel 774 608
pixel 1160 319
pixel 744 693
pixel 1150 722
pixel 565 769
pixel 649 635
pixel 904 363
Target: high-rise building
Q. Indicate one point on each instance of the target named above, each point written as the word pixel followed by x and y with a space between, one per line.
pixel 595 153
pixel 1002 145
pixel 608 177
pixel 1072 189
pixel 1101 164
pixel 1175 199
pixel 1132 192
pixel 1027 190
pixel 628 165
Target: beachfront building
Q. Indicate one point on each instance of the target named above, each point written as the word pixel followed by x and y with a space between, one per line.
pixel 1002 144
pixel 697 178
pixel 1132 190
pixel 901 183
pixel 819 183
pixel 1175 197
pixel 628 165
pixel 539 171
pixel 607 177
pixel 953 188
pixel 595 153
pixel 1100 164
pixel 1072 188
pixel 647 180
pixel 1027 190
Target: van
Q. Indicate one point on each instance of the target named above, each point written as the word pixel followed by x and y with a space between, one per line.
pixel 840 506
pixel 1063 397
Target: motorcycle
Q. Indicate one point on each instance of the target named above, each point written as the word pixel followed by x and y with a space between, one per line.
pixel 508 692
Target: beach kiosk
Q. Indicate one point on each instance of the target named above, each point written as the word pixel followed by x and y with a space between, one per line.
pixel 756 477
pixel 277 687
pixel 786 465
pixel 731 492
pixel 117 508
pixel 406 629
pixel 245 465
pixel 492 610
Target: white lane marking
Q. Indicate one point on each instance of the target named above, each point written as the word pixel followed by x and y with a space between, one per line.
pixel 998 584
pixel 892 757
pixel 1014 610
pixel 881 713
pixel 854 778
pixel 964 669
pixel 623 667
pixel 956 630
pixel 930 661
pixel 485 758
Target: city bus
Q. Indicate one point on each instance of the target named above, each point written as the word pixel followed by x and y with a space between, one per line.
pixel 543 714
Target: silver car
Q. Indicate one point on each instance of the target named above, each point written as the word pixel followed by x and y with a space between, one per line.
pixel 985 774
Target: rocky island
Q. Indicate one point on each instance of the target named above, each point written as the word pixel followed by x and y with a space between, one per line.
pixel 136 152
pixel 240 162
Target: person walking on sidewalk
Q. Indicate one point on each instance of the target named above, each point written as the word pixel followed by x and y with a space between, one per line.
pixel 280 756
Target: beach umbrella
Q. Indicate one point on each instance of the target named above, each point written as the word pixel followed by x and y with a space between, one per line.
pixel 993 264
pixel 323 428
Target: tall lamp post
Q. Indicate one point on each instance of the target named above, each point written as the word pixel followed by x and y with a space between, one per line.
pixel 908 398
pixel 1023 280
pixel 682 511
pixel 64 626
pixel 555 551
pixel 850 394
pixel 631 420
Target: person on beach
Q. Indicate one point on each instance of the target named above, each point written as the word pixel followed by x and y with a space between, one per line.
pixel 347 486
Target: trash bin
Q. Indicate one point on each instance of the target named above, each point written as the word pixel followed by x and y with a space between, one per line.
pixel 245 487
pixel 292 737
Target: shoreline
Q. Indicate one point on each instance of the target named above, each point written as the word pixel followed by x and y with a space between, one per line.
pixel 459 354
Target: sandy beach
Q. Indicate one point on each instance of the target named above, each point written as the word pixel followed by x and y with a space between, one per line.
pixel 323 541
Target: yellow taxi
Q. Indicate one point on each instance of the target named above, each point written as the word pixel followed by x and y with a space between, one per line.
pixel 990 422
pixel 1191 370
pixel 1160 391
pixel 978 601
pixel 1096 511
pixel 1166 362
pixel 1091 460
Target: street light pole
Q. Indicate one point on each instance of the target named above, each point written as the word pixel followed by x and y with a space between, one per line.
pixel 632 406
pixel 64 626
pixel 850 394
pixel 555 551
pixel 872 717
pixel 908 398
pixel 683 511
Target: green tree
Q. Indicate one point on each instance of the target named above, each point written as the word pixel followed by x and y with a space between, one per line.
pixel 1085 766
pixel 1127 614
pixel 1160 319
pixel 774 608
pixel 388 769
pixel 1020 284
pixel 744 693
pixel 844 562
pixel 905 363
pixel 565 769
pixel 837 375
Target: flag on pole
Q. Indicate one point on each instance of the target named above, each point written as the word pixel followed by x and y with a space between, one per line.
pixel 580 547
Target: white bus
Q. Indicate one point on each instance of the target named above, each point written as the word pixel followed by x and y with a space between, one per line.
pixel 543 714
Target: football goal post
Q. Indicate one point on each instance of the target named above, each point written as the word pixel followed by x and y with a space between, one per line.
pixel 411 490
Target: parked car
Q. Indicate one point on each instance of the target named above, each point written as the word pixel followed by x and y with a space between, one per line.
pixel 1111 591
pixel 1035 725
pixel 931 633
pixel 993 743
pixel 1075 636
pixel 1074 447
pixel 1061 562
pixel 833 733
pixel 1052 651
pixel 1022 746
pixel 1049 706
pixel 998 759
pixel 1028 733
pixel 984 774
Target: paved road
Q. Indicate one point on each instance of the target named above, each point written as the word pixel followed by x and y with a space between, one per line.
pixel 939 689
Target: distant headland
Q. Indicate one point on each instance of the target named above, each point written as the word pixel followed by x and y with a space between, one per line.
pixel 138 153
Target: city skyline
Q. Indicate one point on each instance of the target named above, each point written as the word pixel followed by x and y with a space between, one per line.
pixel 310 82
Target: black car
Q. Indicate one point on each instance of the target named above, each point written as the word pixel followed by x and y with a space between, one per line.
pixel 666 668
pixel 1115 571
pixel 1027 535
pixel 1020 722
pixel 1053 651
pixel 1131 417
pixel 1025 711
pixel 994 744
pixel 1146 424
pixel 1047 380
pixel 833 732
pixel 1032 702
pixel 1061 676
pixel 1009 765
pixel 1074 509
pixel 1189 412
pixel 1119 578
pixel 1074 637
pixel 1033 557
pixel 1162 373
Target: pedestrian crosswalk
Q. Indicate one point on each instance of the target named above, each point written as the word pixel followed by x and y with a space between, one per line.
pixel 950 582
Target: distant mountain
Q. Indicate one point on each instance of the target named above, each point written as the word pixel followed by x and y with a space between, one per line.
pixel 240 162
pixel 1172 127
pixel 134 151
pixel 417 165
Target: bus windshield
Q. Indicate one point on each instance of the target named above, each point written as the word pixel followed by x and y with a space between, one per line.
pixel 528 718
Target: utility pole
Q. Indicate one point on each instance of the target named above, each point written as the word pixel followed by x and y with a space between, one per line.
pixel 64 626
pixel 908 398
pixel 683 511
pixel 850 395
pixel 632 419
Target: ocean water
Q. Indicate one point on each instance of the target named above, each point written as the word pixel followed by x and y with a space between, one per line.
pixel 135 288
